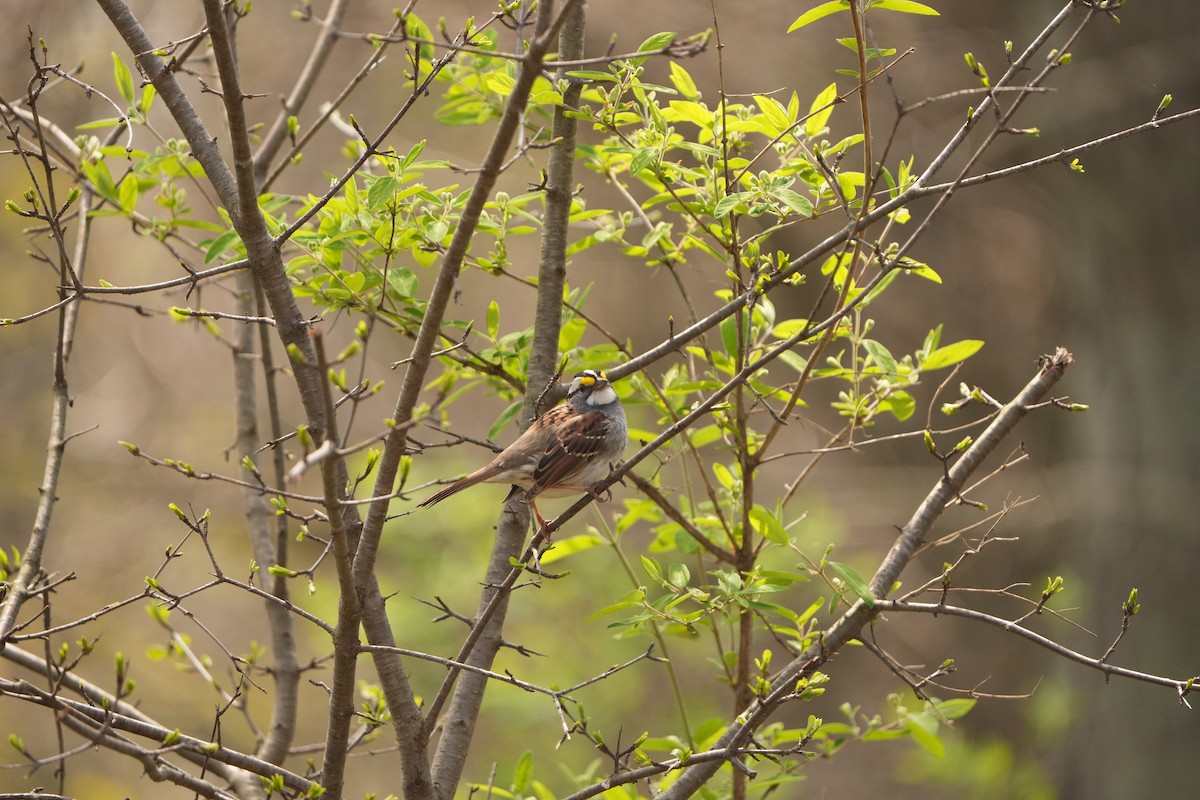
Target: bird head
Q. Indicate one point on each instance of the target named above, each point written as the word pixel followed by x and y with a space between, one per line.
pixel 592 387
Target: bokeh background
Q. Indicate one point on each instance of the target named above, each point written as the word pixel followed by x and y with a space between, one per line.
pixel 1103 263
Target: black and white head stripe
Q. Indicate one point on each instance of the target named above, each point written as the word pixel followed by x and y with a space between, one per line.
pixel 595 384
pixel 587 379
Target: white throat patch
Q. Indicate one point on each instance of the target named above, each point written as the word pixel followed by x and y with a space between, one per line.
pixel 602 396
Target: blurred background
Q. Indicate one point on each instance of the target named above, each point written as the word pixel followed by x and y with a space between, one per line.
pixel 1103 263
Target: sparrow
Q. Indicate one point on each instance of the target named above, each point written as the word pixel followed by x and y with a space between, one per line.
pixel 566 450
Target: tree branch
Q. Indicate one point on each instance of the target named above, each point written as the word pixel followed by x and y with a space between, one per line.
pixel 485 637
pixel 850 624
pixel 21 585
pixel 1182 687
pixel 277 133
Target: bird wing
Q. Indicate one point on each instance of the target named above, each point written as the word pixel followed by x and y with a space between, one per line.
pixel 575 444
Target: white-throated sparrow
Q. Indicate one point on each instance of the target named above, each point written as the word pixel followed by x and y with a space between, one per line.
pixel 566 450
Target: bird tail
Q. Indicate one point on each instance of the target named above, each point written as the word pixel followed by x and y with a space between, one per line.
pixel 453 488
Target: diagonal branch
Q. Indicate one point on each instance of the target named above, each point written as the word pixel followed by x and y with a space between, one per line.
pixel 230 765
pixel 851 623
pixel 1181 686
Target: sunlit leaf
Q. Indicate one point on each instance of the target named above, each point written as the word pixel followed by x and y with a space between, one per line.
pixel 630 600
pixel 820 115
pixel 904 6
pixel 654 44
pixel 123 78
pixel 821 11
pixel 570 546
pixel 951 354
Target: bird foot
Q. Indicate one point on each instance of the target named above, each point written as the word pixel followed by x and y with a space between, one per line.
pixel 600 495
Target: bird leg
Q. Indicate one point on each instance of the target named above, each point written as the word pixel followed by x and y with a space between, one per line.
pixel 540 519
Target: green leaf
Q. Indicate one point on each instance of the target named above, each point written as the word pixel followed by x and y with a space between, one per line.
pixel 881 356
pixel 493 319
pixel 689 111
pixel 499 83
pixel 774 111
pixel 853 581
pixel 904 6
pixel 823 10
pixel 795 201
pixel 653 45
pixel 413 152
pixel 571 333
pixel 570 546
pixel 148 95
pixel 642 158
pixel 523 773
pixel 97 172
pixel 816 123
pixel 630 600
pixel 107 122
pixel 768 525
pixel 382 191
pixel 651 568
pixel 789 328
pixel 727 203
pixel 219 245
pixel 127 192
pixel 683 81
pixel 124 79
pixel 899 404
pixel 678 575
pixel 925 271
pixel 592 75
pixel 403 281
pixel 926 738
pixel 954 709
pixel 729 335
pixel 951 354
pixel 508 416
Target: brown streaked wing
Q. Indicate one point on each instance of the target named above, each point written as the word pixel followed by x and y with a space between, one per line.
pixel 575 446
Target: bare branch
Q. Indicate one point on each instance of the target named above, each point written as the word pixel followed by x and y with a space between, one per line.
pixel 1098 664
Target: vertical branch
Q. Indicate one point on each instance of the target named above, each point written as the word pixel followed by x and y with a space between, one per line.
pixel 21 585
pixel 552 267
pixel 744 550
pixel 461 716
pixel 245 207
pixel 743 639
pixel 261 532
pixel 361 599
pixel 860 45
pixel 258 515
pixel 345 636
